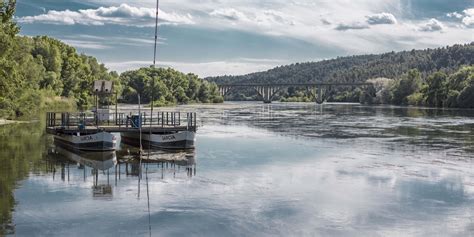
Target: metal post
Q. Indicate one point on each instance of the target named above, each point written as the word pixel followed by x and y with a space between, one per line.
pixel 116 108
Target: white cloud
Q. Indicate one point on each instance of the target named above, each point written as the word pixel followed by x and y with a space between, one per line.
pixel 431 26
pixel 121 15
pixel 381 18
pixel 468 19
pixel 454 15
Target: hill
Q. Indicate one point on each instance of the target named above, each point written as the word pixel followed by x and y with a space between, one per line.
pixel 364 67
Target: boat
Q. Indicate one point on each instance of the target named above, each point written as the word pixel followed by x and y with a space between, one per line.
pixel 100 141
pixel 173 140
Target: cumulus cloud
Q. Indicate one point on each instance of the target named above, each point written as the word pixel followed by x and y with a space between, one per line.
pixel 121 15
pixel 468 19
pixel 381 18
pixel 351 26
pixel 431 26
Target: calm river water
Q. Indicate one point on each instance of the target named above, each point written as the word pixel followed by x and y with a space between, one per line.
pixel 258 170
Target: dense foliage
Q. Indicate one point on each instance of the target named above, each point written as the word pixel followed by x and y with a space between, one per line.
pixel 391 65
pixel 167 86
pixel 437 90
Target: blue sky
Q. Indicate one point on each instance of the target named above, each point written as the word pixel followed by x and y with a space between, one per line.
pixel 216 37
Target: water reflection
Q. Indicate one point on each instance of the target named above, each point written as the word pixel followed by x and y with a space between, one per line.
pixel 21 151
pixel 264 170
pixel 428 127
pixel 106 167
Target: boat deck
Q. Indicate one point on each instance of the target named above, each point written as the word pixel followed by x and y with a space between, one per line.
pixel 159 123
pixel 116 129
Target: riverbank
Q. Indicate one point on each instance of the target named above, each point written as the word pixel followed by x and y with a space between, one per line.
pixel 6 122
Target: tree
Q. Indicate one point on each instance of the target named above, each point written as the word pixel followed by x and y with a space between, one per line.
pixel 466 96
pixel 436 92
pixel 409 84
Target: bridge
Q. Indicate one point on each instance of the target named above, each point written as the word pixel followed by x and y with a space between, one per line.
pixel 267 91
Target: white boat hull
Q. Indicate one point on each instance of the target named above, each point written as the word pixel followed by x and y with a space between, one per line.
pixel 178 140
pixel 102 141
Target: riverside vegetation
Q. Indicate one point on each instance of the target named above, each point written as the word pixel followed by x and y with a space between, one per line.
pixel 41 72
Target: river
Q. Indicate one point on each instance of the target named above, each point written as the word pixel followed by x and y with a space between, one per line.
pixel 296 169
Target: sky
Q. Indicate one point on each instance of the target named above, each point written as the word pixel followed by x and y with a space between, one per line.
pixel 234 37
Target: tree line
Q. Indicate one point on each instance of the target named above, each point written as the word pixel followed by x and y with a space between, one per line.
pixel 41 72
pixel 454 90
pixel 167 86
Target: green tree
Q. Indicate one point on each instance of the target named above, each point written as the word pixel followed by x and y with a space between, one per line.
pixel 436 92
pixel 409 83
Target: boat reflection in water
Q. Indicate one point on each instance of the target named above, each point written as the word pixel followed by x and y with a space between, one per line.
pixel 111 167
pixel 162 159
pixel 100 162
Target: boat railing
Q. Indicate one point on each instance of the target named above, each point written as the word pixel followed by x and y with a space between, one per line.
pixel 82 120
pixel 160 119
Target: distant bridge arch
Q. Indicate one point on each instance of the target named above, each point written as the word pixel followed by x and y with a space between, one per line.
pixel 267 91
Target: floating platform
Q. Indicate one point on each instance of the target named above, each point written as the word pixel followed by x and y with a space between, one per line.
pixel 91 132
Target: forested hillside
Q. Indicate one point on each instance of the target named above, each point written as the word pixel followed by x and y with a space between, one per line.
pixel 364 67
pixel 442 77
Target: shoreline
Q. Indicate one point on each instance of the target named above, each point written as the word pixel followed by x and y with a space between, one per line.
pixel 6 122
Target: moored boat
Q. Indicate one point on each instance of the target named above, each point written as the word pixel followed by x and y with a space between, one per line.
pixel 176 140
pixel 100 141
